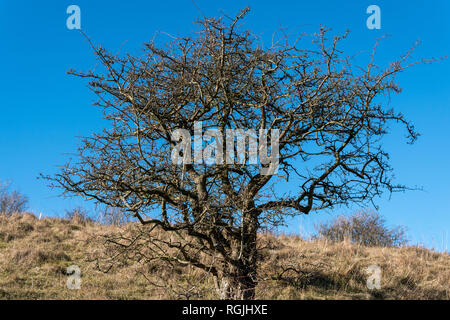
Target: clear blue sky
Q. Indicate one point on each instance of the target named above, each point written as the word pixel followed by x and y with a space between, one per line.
pixel 43 109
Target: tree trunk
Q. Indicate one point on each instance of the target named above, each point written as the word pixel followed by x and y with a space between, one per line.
pixel 238 280
pixel 237 288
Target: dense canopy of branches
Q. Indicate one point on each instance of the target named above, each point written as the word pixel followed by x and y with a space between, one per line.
pixel 327 112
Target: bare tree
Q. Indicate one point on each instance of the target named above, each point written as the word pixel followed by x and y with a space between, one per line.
pixel 11 201
pixel 112 216
pixel 364 227
pixel 329 114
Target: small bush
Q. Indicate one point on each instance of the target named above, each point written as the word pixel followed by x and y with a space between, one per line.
pixel 11 201
pixel 78 215
pixel 113 216
pixel 365 227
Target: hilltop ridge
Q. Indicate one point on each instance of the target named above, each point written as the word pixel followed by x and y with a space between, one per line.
pixel 35 254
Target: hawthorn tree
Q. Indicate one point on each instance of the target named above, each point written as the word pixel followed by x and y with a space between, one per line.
pixel 330 115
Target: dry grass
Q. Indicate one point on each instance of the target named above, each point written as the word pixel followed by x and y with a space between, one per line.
pixel 34 256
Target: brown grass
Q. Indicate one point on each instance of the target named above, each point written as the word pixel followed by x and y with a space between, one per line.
pixel 35 254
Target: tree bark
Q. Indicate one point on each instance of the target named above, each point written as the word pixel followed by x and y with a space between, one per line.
pixel 238 280
pixel 237 287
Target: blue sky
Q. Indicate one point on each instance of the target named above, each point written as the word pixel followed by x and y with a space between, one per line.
pixel 43 109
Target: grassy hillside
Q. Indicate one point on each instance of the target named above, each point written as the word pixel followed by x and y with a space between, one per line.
pixel 34 256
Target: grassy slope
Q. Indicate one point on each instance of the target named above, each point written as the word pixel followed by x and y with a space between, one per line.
pixel 34 255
